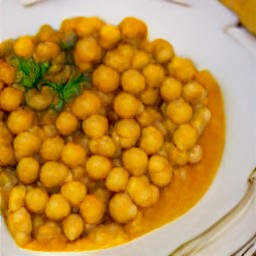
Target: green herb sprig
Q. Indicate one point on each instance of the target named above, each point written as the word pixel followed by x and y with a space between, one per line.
pixel 30 72
pixel 31 75
pixel 69 90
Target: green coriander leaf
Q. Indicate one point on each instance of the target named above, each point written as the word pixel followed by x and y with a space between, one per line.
pixel 70 89
pixel 30 72
pixel 58 107
pixel 53 85
pixel 44 67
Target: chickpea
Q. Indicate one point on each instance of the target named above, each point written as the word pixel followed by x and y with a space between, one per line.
pixel 170 89
pixel 20 225
pixel 26 144
pixel 124 202
pixel 47 231
pixel 37 131
pixel 27 170
pixel 170 126
pixel 140 59
pixel 70 176
pixel 105 78
pixel 151 140
pixel 135 160
pixel 5 135
pixel 53 174
pixel 162 51
pixel 73 155
pixel 46 51
pixel 51 148
pixel 86 104
pixel 73 226
pixel 24 46
pixel 149 96
pixel 7 73
pixel 58 71
pixel 200 119
pixel 6 47
pixel 87 50
pixel 179 111
pixel 6 155
pixel 126 105
pixel 159 170
pixel 8 179
pixel 177 157
pixel 192 92
pixel 185 137
pixel 148 116
pixel 182 69
pixel 95 126
pixel 98 167
pixel 86 26
pixel 116 60
pixel 96 22
pixel 37 221
pixel 205 78
pixel 133 81
pixel 142 192
pixel 154 75
pixel 195 154
pixel 107 233
pixel 133 29
pixel 117 179
pixel 17 197
pixel 70 24
pixel 66 123
pixel 103 146
pixel 36 200
pixel 126 132
pixel 57 207
pixel 147 46
pixel 109 36
pixel 10 98
pixel 74 192
pixel 160 125
pixel 48 34
pixel 147 197
pixel 92 209
pixel 20 120
pixel 40 100
pixel 126 50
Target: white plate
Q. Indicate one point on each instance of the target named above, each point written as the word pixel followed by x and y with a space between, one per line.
pixel 195 32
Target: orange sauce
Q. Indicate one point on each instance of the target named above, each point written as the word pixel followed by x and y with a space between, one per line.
pixel 188 185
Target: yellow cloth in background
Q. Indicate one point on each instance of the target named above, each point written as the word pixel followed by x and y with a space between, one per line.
pixel 246 11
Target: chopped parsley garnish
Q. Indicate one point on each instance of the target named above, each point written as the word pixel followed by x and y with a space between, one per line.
pixel 31 75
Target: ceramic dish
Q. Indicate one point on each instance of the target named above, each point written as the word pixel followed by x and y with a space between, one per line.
pixel 196 31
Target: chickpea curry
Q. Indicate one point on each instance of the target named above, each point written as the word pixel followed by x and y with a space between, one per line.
pixel 104 134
